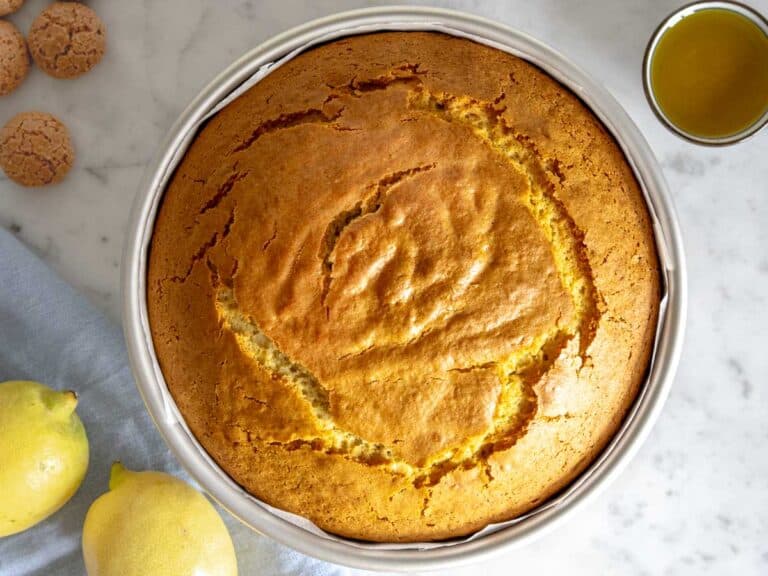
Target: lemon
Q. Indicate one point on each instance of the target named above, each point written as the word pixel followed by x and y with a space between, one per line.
pixel 43 453
pixel 154 523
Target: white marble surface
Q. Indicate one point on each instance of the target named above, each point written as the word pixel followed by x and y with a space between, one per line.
pixel 695 500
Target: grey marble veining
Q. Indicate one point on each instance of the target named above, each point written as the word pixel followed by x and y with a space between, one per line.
pixel 695 500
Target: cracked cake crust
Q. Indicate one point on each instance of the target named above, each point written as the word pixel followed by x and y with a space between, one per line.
pixel 404 286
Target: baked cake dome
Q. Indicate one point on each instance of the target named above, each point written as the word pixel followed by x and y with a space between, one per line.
pixel 404 286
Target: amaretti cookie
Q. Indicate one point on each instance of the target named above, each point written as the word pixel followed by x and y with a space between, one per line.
pixel 67 39
pixel 35 149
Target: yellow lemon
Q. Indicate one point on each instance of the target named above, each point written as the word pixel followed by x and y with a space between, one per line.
pixel 43 453
pixel 154 523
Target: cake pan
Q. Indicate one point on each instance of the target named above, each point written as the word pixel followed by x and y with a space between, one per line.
pixel 280 526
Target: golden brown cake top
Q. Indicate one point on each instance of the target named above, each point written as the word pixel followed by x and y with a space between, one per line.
pixel 405 286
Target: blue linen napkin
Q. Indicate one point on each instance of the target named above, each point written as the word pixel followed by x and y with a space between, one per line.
pixel 49 333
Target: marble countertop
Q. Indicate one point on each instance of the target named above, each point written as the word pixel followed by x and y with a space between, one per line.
pixel 695 500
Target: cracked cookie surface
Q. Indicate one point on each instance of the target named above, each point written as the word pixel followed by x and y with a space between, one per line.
pixel 14 60
pixel 35 149
pixel 67 39
pixel 405 286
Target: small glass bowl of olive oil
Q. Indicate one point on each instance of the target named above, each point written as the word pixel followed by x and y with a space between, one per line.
pixel 705 72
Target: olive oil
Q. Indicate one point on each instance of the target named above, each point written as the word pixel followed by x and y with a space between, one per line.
pixel 709 73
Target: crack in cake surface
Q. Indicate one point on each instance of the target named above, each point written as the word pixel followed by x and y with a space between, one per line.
pixel 260 348
pixel 369 205
pixel 515 408
pixel 310 116
pixel 564 236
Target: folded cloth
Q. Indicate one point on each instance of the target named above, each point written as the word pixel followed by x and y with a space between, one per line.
pixel 49 333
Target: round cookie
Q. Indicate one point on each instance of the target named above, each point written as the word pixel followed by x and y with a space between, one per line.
pixel 35 149
pixel 67 39
pixel 14 60
pixel 9 6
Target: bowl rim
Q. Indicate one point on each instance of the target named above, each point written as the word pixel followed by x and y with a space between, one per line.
pixel 200 465
pixel 667 23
